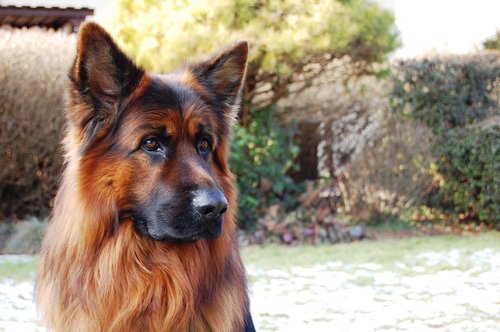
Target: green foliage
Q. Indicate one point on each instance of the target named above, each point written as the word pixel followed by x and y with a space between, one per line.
pixel 163 34
pixel 470 165
pixel 448 92
pixel 493 43
pixel 458 98
pixel 284 36
pixel 261 156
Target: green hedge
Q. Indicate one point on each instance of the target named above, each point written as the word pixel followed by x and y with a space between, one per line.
pixel 469 161
pixel 457 97
pixel 447 92
pixel 261 156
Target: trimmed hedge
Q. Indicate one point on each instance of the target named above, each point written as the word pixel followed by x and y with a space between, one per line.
pixel 458 98
pixel 33 67
pixel 469 161
pixel 447 92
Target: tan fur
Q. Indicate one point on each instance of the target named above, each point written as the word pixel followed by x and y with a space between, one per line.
pixel 130 283
pixel 95 275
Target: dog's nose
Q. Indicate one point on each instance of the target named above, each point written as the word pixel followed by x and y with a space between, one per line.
pixel 210 203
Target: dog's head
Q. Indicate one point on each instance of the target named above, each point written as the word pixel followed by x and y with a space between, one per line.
pixel 154 145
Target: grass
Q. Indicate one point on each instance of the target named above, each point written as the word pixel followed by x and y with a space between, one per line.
pixel 384 252
pixel 22 270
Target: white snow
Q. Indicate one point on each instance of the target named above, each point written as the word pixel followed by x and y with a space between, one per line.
pixel 365 297
pixel 411 296
pixel 17 309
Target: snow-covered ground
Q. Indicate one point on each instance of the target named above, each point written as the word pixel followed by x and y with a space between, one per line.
pixel 17 309
pixel 436 291
pixel 454 290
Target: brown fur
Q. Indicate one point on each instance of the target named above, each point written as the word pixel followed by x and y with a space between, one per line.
pixel 97 273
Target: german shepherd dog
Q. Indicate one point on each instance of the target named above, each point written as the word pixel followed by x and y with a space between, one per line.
pixel 142 235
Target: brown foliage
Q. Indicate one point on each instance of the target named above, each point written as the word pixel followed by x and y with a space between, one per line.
pixel 346 117
pixel 393 175
pixel 33 66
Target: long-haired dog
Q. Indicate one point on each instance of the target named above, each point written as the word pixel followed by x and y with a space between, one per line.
pixel 142 235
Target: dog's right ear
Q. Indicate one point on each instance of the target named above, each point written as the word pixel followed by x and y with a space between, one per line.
pixel 101 77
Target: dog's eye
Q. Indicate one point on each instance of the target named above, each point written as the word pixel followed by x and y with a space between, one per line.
pixel 151 144
pixel 203 146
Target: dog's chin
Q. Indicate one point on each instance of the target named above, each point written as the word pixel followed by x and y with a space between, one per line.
pixel 169 234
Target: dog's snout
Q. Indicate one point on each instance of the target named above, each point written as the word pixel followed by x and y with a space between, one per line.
pixel 210 203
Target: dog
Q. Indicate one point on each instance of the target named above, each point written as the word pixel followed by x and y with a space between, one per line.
pixel 142 235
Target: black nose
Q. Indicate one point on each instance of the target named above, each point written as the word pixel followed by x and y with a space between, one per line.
pixel 210 203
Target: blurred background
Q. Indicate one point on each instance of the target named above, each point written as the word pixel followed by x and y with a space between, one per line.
pixel 361 120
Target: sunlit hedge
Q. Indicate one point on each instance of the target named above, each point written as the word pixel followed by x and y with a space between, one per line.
pixel 447 92
pixel 469 161
pixel 33 71
pixel 458 98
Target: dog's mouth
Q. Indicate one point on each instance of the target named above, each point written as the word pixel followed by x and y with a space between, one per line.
pixel 197 216
pixel 162 231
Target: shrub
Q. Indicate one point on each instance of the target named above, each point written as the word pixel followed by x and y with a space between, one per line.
pixel 286 37
pixel 447 92
pixel 33 66
pixel 261 156
pixel 456 97
pixel 470 165
pixel 342 117
pixel 352 123
pixel 392 176
pixel 493 43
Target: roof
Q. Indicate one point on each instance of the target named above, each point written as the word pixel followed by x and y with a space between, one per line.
pixel 52 17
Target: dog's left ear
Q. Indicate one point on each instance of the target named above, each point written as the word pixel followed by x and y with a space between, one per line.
pixel 224 74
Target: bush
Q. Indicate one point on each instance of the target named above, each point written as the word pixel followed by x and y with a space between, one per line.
pixel 456 97
pixel 286 37
pixel 393 176
pixel 261 156
pixel 448 92
pixel 470 165
pixel 352 123
pixel 493 43
pixel 33 67
pixel 342 117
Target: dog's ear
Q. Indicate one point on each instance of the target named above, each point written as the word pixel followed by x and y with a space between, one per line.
pixel 101 76
pixel 223 75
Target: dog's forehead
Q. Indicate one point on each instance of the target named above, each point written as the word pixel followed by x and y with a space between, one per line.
pixel 167 92
pixel 169 102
